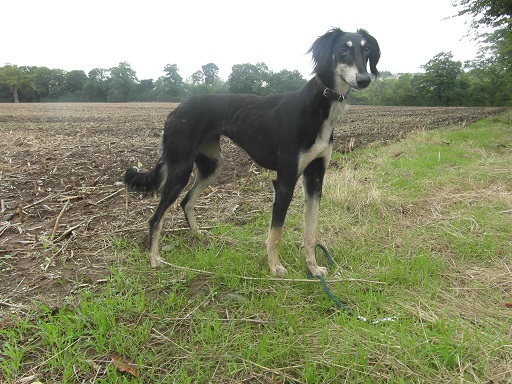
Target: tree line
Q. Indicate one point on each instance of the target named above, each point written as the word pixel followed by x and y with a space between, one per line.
pixel 120 84
pixel 484 81
pixel 445 82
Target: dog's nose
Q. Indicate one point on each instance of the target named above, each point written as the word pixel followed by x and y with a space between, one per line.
pixel 363 81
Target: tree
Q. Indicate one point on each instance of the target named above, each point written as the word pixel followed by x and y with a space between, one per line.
pixel 121 83
pixel 489 83
pixel 403 91
pixel 248 78
pixel 96 87
pixel 144 91
pixel 197 78
pixel 45 79
pixel 71 87
pixel 285 81
pixel 441 82
pixel 172 75
pixel 210 72
pixel 496 15
pixel 377 93
pixel 386 75
pixel 14 78
pixel 171 86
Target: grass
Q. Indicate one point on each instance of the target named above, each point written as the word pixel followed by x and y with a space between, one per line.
pixel 420 229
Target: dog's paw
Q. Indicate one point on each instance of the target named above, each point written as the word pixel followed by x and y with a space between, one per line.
pixel 156 262
pixel 202 234
pixel 279 271
pixel 318 271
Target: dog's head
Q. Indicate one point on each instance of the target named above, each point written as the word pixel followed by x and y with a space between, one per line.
pixel 346 55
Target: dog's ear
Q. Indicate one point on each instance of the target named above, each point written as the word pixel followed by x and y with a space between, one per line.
pixel 374 51
pixel 321 50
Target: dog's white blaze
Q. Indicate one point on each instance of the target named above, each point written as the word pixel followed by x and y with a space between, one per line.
pixel 349 74
pixel 322 146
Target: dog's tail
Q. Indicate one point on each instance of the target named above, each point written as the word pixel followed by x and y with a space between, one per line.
pixel 148 182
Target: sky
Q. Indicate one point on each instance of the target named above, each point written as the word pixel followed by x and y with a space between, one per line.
pixel 150 34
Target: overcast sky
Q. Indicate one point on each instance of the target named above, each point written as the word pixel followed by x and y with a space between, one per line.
pixel 149 34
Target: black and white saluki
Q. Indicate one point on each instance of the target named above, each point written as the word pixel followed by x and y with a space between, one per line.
pixel 290 133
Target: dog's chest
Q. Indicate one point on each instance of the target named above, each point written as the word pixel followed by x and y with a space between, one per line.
pixel 322 146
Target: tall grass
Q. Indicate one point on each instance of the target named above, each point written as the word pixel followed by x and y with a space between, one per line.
pixel 419 229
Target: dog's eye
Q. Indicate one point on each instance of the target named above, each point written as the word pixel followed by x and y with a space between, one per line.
pixel 343 49
pixel 366 49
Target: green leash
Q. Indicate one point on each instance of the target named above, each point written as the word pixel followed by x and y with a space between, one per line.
pixel 333 298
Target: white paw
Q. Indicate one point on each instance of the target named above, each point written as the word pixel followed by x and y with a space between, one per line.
pixel 318 271
pixel 278 271
pixel 202 234
pixel 156 261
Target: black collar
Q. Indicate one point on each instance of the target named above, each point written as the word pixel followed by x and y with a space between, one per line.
pixel 328 92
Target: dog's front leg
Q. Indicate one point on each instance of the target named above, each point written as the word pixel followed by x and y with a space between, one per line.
pixel 283 196
pixel 311 209
pixel 312 185
pixel 273 240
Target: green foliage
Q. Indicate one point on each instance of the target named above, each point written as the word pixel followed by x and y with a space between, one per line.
pixel 14 78
pixel 491 13
pixel 170 86
pixel 249 78
pixel 72 85
pixel 285 81
pixel 258 80
pixel 197 78
pixel 210 72
pixel 442 82
pixel 489 81
pixel 46 81
pixel 96 87
pixel 485 82
pixel 121 83
pixel 144 90
pixel 495 18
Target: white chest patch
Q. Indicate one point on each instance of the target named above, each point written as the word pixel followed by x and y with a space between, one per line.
pixel 322 146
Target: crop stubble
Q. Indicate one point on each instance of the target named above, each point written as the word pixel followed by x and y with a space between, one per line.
pixel 62 199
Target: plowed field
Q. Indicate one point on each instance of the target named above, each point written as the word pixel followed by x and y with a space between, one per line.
pixel 63 203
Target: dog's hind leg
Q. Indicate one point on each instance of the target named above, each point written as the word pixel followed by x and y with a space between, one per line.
pixel 207 166
pixel 312 180
pixel 283 196
pixel 175 181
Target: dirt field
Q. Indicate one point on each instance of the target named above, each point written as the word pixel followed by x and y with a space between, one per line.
pixel 62 200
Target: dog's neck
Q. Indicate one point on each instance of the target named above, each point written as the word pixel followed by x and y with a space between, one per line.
pixel 331 93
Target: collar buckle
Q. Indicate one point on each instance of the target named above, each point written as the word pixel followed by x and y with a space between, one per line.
pixel 328 92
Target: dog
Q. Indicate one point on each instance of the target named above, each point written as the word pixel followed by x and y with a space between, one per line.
pixel 290 133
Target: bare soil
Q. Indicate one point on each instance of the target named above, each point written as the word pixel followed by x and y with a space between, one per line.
pixel 63 202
